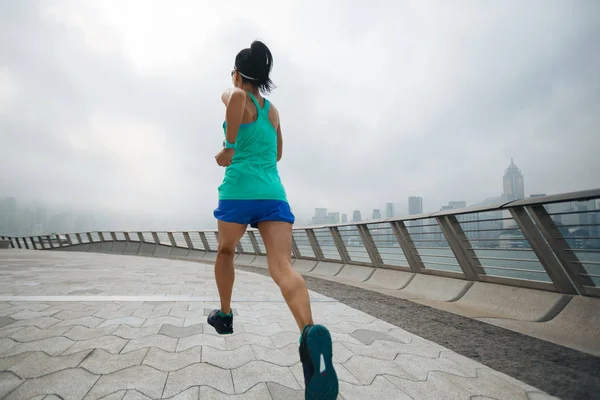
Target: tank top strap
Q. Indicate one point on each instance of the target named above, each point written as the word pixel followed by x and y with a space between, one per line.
pixel 265 109
pixel 258 109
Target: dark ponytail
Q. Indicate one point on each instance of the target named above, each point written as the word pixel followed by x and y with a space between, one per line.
pixel 255 64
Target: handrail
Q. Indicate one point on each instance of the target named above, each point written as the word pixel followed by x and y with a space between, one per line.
pixel 443 246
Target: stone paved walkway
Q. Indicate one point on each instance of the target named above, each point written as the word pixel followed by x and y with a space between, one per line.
pixel 95 326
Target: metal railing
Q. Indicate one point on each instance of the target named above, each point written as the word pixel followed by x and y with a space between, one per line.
pixel 549 243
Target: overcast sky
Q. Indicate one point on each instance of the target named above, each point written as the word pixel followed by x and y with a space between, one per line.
pixel 115 105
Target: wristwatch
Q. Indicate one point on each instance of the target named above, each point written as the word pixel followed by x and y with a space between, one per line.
pixel 228 145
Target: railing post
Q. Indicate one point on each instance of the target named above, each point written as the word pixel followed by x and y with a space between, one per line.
pixel 172 239
pixel 18 242
pixel 25 243
pixel 542 250
pixel 57 238
pixel 204 241
pixel 89 236
pixel 188 240
pixel 101 236
pixel 113 235
pixel 50 244
pixel 239 248
pixel 254 242
pixel 141 237
pixel 457 240
pixel 314 243
pixel 69 239
pixel 340 245
pixel 155 238
pixel 370 245
pixel 295 250
pixel 560 246
pixel 408 247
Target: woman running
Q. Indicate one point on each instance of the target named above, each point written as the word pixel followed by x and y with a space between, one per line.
pixel 252 194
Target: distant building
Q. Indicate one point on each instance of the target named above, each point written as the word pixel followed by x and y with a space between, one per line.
pixel 334 217
pixel 454 205
pixel 389 210
pixel 594 228
pixel 344 218
pixel 457 204
pixel 415 205
pixel 578 222
pixel 468 222
pixel 376 213
pixel 8 216
pixel 356 217
pixel 513 189
pixel 320 217
pixel 513 183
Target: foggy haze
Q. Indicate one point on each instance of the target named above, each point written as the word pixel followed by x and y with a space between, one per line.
pixel 113 107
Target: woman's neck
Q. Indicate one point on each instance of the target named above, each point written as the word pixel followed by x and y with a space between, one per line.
pixel 248 87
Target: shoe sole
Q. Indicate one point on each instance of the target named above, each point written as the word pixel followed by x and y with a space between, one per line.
pixel 322 386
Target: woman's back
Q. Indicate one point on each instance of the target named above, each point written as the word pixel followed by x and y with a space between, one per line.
pixel 253 173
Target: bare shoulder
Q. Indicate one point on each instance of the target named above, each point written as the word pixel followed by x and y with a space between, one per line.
pixel 274 115
pixel 233 93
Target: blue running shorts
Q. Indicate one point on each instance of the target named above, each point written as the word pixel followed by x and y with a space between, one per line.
pixel 253 211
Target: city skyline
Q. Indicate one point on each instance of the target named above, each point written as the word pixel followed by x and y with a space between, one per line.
pixel 35 218
pixel 513 182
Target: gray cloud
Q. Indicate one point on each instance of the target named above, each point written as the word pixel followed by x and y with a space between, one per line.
pixel 377 103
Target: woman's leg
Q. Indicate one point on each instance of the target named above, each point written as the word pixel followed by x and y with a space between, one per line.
pixel 229 235
pixel 277 237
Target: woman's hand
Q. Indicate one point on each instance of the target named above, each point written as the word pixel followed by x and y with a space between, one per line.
pixel 224 157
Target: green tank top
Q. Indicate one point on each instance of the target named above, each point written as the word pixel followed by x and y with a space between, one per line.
pixel 253 173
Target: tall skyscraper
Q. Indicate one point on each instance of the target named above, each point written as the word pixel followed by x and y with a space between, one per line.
pixel 356 216
pixel 344 218
pixel 415 205
pixel 514 185
pixel 376 213
pixel 513 189
pixel 389 210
